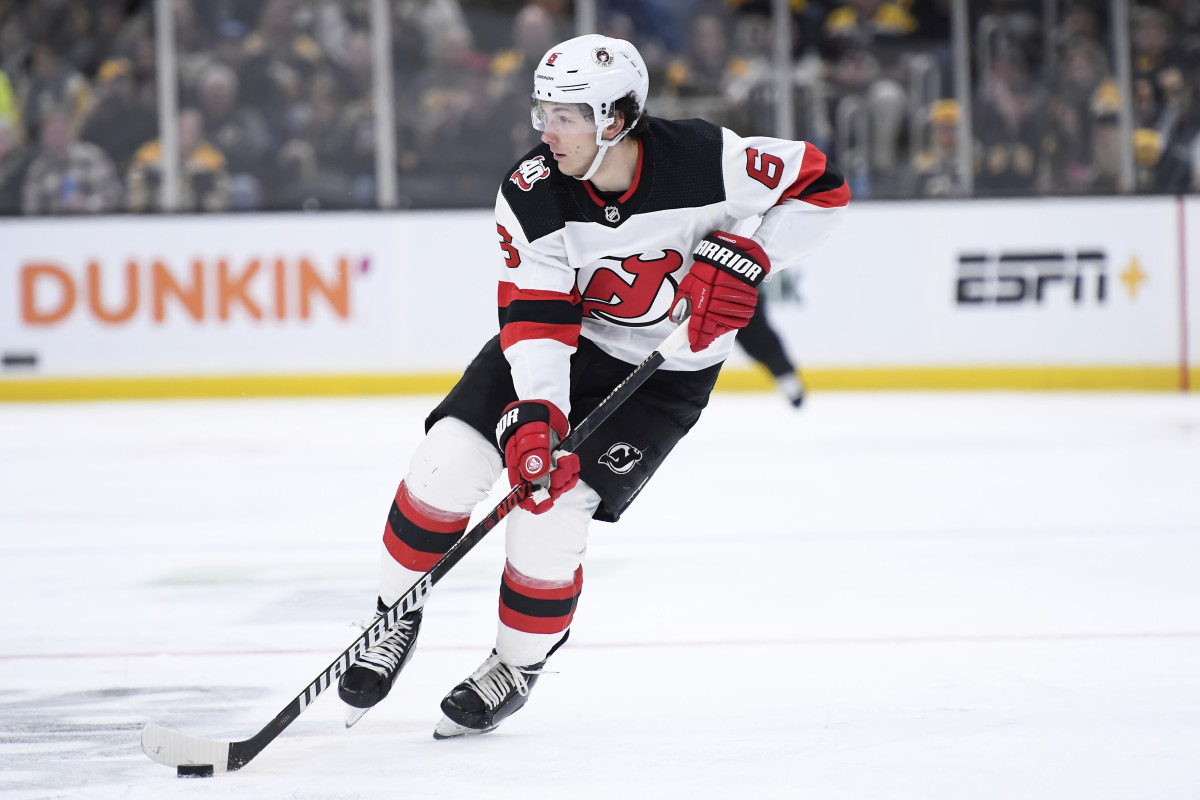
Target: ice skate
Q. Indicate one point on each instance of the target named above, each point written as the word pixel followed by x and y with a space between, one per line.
pixel 492 694
pixel 792 388
pixel 370 678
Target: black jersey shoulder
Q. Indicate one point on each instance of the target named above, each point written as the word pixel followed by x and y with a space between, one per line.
pixel 687 169
pixel 536 192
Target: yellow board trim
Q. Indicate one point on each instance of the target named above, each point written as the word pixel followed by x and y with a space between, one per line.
pixel 224 386
pixel 1149 379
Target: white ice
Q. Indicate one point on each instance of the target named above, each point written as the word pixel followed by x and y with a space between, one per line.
pixel 881 596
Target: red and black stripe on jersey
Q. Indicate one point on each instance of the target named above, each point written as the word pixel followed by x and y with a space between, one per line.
pixel 536 314
pixel 819 182
pixel 680 167
pixel 537 606
pixel 417 538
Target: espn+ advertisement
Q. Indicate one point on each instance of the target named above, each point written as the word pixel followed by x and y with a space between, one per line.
pixel 1033 283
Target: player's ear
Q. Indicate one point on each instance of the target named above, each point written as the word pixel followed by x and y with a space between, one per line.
pixel 615 128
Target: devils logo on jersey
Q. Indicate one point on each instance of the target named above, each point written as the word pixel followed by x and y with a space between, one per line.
pixel 638 293
pixel 530 172
pixel 621 457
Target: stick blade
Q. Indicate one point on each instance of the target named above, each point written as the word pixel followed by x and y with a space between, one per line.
pixel 176 749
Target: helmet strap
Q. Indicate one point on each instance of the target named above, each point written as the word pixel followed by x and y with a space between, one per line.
pixel 603 144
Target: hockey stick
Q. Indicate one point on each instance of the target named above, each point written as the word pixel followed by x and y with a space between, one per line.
pixel 194 756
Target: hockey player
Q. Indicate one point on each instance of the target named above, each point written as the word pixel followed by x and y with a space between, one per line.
pixel 762 343
pixel 604 228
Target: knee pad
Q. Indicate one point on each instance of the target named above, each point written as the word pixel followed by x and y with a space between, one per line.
pixel 453 468
pixel 551 546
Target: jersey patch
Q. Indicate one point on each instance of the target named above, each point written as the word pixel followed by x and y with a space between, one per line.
pixel 530 172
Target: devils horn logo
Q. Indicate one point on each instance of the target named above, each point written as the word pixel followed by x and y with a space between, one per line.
pixel 530 172
pixel 621 457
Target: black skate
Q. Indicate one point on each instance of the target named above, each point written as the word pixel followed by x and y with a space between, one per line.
pixel 792 387
pixel 370 678
pixel 492 694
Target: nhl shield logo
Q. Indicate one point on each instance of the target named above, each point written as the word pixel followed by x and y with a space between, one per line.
pixel 621 457
pixel 612 214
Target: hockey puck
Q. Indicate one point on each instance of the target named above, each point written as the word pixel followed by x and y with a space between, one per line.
pixel 194 770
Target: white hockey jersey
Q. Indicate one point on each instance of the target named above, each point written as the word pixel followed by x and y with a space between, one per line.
pixel 607 267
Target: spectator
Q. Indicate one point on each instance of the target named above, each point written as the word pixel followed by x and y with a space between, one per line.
pixel 68 176
pixel 935 171
pixel 204 182
pixel 354 71
pixel 15 46
pixel 417 30
pixel 534 31
pixel 240 132
pixel 118 122
pixel 451 115
pixel 1069 140
pixel 1009 128
pixel 865 42
pixel 10 109
pixel 1179 166
pixel 711 69
pixel 194 43
pixel 281 58
pixel 1080 22
pixel 1157 73
pixel 1147 149
pixel 105 21
pixel 15 157
pixel 53 83
pixel 331 161
pixel 1106 143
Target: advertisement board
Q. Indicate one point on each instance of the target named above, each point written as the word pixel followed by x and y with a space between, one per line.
pixel 1033 283
pixel 230 295
pixel 1087 293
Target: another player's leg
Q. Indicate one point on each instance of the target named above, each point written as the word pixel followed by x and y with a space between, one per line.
pixel 539 591
pixel 762 343
pixel 451 471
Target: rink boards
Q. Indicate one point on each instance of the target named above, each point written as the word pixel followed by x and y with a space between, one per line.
pixel 1050 293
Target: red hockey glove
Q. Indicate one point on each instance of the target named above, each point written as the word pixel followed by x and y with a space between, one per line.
pixel 528 432
pixel 722 286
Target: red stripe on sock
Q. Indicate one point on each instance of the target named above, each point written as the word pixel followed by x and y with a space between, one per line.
pixel 528 624
pixel 406 556
pixel 543 590
pixel 420 514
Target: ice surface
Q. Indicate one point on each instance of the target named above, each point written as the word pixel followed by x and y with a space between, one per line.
pixel 881 596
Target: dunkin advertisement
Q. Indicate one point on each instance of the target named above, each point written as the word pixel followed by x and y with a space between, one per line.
pixel 233 295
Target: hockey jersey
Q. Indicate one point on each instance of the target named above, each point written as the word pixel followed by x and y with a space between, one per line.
pixel 606 266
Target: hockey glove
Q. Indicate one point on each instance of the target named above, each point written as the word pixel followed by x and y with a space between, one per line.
pixel 527 434
pixel 721 287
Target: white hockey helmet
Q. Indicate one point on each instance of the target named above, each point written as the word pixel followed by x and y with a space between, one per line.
pixel 592 70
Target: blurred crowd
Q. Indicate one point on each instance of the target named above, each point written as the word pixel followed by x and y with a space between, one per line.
pixel 276 109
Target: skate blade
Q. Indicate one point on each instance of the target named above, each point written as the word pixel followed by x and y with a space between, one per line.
pixel 353 715
pixel 449 729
